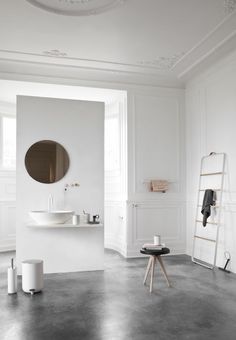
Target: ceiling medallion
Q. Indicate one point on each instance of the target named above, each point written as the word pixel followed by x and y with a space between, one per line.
pixel 163 63
pixel 77 7
pixel 230 6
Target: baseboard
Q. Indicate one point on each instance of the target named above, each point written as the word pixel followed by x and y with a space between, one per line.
pixel 117 246
pixel 8 247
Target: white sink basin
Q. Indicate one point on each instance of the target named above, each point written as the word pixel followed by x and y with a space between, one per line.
pixel 44 217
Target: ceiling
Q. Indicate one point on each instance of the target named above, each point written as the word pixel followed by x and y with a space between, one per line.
pixel 149 37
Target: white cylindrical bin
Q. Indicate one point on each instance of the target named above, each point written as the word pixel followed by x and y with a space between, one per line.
pixel 32 276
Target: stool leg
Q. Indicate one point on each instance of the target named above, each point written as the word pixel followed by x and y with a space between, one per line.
pixel 147 270
pixel 163 269
pixel 152 272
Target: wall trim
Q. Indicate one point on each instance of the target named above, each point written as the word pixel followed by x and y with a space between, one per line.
pixel 31 70
pixel 222 37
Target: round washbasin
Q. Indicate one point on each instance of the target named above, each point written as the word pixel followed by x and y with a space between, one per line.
pixel 44 217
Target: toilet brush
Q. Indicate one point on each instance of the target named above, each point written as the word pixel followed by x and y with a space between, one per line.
pixel 12 279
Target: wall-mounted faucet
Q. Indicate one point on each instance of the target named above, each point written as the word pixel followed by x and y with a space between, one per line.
pixel 71 185
pixel 50 203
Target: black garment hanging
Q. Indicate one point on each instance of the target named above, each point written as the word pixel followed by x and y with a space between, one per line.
pixel 208 200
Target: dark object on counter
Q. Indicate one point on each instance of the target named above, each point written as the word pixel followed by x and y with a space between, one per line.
pixel 208 200
pixel 96 219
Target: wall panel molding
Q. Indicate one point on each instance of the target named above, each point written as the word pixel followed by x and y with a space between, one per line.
pixel 140 211
pixel 176 182
pixel 7 225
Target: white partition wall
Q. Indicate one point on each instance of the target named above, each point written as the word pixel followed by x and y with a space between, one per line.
pixel 79 127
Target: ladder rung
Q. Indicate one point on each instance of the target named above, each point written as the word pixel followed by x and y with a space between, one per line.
pixel 211 189
pixel 207 222
pixel 212 174
pixel 213 206
pixel 202 263
pixel 204 238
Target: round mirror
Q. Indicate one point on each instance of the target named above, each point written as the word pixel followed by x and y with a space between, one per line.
pixel 47 161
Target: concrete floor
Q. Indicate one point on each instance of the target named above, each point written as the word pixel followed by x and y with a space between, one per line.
pixel 114 304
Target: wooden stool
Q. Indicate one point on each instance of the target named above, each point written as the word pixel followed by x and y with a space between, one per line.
pixel 155 256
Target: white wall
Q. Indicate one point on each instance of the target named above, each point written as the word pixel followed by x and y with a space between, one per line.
pixel 211 122
pixel 78 126
pixel 116 176
pixel 112 98
pixel 156 150
pixel 7 196
pixel 7 210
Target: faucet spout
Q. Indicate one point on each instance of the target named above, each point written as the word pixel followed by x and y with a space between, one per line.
pixel 50 203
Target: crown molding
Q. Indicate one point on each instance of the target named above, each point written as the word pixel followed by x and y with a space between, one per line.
pixel 163 63
pixel 56 63
pixel 77 7
pixel 60 58
pixel 74 75
pixel 213 46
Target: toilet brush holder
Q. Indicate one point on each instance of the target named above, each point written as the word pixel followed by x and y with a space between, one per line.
pixel 12 279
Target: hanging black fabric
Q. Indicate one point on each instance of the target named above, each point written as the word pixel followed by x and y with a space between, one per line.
pixel 208 200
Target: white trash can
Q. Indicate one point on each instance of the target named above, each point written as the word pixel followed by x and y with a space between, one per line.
pixel 32 276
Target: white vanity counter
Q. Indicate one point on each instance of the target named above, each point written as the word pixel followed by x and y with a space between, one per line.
pixel 65 225
pixel 65 247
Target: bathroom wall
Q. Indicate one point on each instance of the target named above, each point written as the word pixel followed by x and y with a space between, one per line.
pixel 7 194
pixel 116 175
pixel 211 122
pixel 79 127
pixel 156 150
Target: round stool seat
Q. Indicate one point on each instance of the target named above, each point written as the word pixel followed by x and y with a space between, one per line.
pixel 32 276
pixel 155 252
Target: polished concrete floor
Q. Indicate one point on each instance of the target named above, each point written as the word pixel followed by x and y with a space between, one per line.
pixel 114 304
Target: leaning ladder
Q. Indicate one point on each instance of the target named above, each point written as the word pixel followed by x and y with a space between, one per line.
pixel 218 206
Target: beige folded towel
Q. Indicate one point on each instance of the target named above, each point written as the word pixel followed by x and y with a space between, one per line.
pixel 159 185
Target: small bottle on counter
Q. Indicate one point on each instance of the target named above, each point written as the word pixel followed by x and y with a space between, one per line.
pixel 75 219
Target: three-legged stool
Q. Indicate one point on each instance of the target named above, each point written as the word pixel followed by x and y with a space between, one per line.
pixel 155 257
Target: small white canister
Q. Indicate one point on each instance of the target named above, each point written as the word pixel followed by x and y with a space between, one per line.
pixel 84 218
pixel 157 240
pixel 75 219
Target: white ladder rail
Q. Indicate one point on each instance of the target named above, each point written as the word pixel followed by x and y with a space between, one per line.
pixel 219 206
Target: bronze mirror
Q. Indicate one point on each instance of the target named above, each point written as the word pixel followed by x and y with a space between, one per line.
pixel 47 161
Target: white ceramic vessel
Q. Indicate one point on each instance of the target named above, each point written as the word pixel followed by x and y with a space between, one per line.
pixel 44 217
